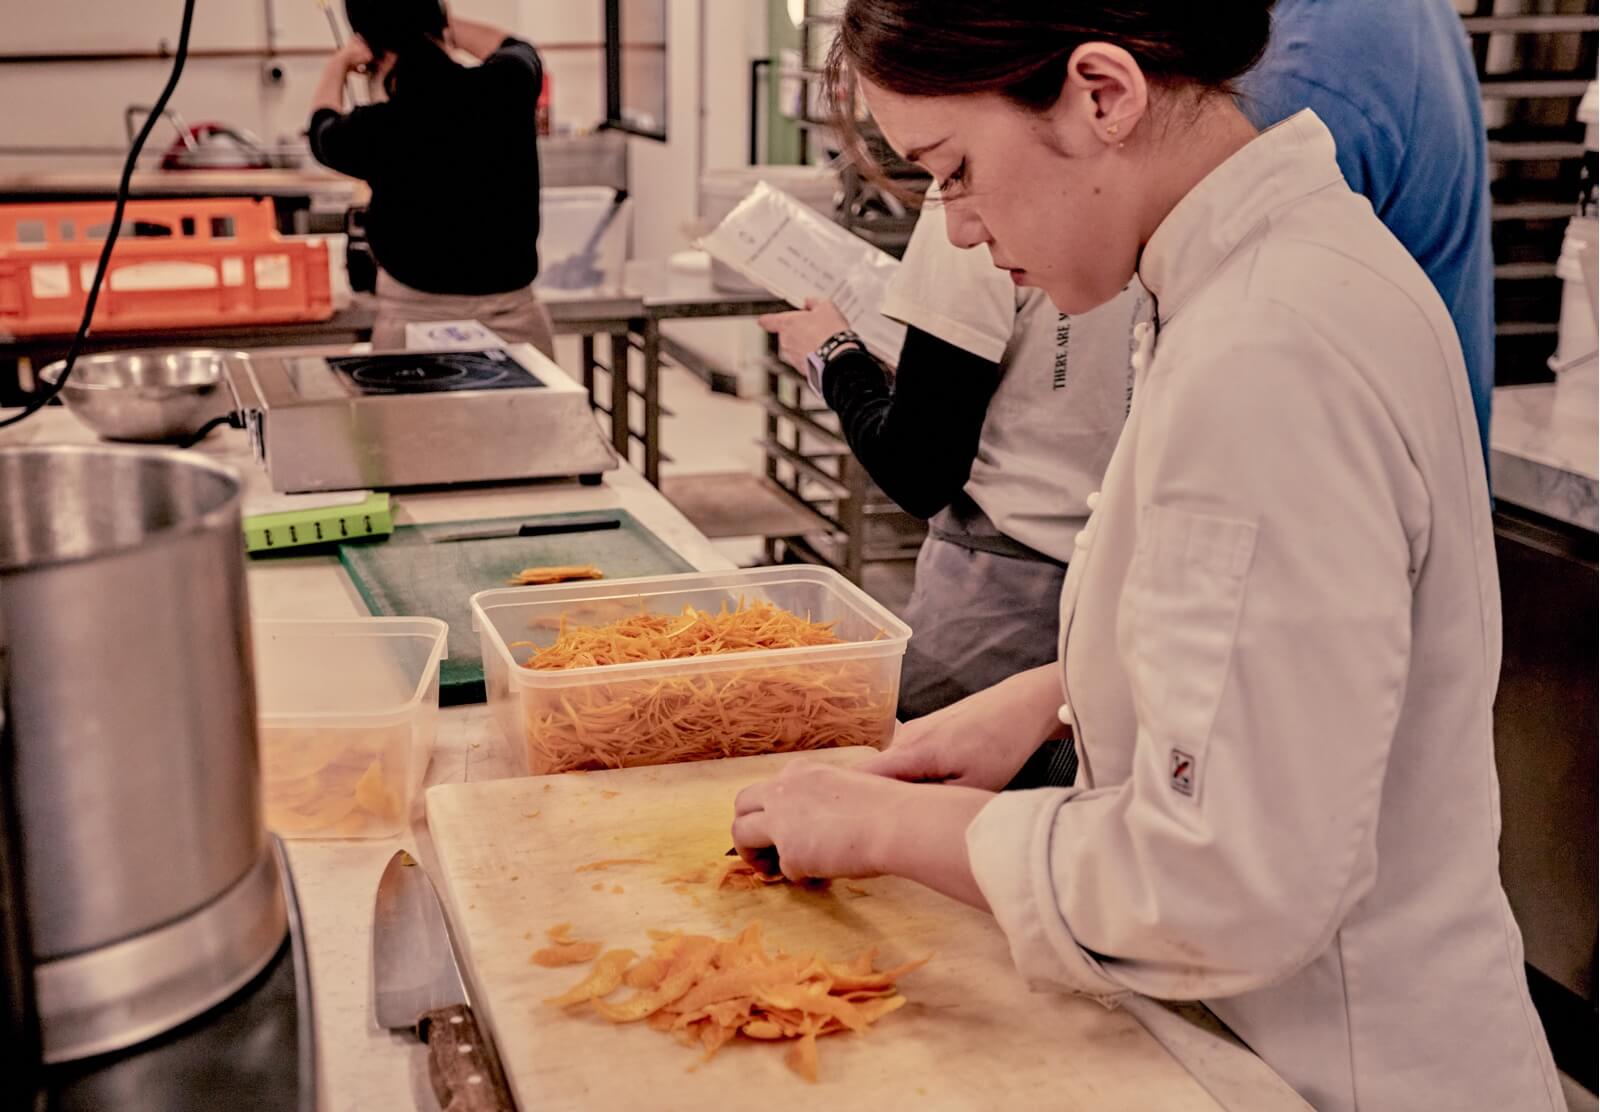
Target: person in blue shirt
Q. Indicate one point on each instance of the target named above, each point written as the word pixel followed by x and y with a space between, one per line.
pixel 1396 85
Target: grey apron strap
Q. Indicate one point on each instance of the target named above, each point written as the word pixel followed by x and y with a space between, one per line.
pixel 963 523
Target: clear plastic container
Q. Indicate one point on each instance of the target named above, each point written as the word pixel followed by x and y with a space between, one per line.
pixel 763 701
pixel 349 711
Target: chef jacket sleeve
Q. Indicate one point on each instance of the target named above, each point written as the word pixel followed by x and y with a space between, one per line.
pixel 1264 627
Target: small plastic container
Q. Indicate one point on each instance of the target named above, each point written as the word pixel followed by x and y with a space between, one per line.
pixel 843 694
pixel 348 712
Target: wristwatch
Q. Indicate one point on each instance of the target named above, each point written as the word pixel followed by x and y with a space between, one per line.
pixel 817 361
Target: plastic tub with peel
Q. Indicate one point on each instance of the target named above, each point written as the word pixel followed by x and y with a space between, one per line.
pixel 349 711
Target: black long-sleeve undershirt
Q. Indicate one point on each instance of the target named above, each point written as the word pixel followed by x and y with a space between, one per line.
pixel 917 432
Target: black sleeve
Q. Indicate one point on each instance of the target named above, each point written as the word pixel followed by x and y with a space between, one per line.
pixel 516 62
pixel 918 436
pixel 347 142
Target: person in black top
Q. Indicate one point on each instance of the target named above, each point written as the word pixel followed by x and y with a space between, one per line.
pixel 451 153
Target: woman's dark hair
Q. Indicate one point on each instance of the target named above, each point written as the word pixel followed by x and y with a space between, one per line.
pixel 1020 48
pixel 408 29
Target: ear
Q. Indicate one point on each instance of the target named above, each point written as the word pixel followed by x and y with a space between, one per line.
pixel 1104 98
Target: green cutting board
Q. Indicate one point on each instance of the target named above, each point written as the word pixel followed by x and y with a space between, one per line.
pixel 411 576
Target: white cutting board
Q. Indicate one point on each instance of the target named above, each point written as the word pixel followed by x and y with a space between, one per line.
pixel 972 1037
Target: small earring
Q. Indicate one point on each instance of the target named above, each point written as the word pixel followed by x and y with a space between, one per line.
pixel 1113 129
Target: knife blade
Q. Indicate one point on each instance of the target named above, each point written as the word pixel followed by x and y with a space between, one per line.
pixel 416 986
pixel 525 529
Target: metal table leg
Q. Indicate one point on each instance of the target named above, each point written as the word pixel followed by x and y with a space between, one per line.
pixel 620 406
pixel 652 402
pixel 587 340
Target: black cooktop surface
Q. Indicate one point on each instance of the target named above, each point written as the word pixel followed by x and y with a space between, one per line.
pixel 432 372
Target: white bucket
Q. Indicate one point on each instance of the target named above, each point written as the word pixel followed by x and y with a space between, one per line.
pixel 1580 253
pixel 583 237
pixel 721 191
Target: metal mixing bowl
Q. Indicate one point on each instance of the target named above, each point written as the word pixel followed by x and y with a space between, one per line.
pixel 155 397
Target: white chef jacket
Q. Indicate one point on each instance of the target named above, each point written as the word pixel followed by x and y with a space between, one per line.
pixel 1064 381
pixel 1287 805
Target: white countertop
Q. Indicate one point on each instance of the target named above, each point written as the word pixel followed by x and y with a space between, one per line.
pixel 1544 442
pixel 363 1067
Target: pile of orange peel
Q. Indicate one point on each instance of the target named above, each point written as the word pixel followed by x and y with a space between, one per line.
pixel 707 991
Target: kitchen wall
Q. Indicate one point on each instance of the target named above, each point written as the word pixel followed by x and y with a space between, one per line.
pixel 710 44
pixel 58 115
pixel 62 114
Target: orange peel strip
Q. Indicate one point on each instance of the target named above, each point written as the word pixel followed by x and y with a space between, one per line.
pixel 604 979
pixel 692 960
pixel 612 862
pixel 565 953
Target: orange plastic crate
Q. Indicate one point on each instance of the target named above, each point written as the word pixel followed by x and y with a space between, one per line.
pixel 176 264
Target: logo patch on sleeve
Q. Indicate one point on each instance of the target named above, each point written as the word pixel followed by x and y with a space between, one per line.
pixel 1182 772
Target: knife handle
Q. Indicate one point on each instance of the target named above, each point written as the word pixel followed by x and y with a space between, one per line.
pixel 462 1065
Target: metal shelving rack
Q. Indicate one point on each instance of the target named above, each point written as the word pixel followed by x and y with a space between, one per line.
pixel 872 213
pixel 1535 58
pixel 808 458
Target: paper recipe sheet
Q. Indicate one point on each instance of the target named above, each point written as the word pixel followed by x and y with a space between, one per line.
pixel 798 253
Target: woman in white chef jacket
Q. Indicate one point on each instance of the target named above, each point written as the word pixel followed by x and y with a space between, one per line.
pixel 1280 633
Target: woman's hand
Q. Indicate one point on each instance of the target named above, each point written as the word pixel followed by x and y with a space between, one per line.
pixel 981 742
pixel 802 332
pixel 352 57
pixel 355 56
pixel 827 821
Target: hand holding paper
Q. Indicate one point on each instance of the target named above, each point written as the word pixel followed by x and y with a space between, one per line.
pixel 801 256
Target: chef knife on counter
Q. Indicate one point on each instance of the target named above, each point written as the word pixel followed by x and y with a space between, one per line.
pixel 416 986
pixel 596 524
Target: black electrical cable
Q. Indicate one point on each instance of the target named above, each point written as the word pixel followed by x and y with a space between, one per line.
pixel 48 394
pixel 230 420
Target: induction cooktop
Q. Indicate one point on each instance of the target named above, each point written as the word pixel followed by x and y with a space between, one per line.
pixel 333 419
pixel 433 372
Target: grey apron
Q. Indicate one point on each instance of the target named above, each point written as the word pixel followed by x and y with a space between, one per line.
pixel 983 608
pixel 516 317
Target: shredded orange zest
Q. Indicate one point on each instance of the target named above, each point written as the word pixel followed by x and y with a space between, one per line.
pixel 740 711
pixel 533 577
pixel 612 862
pixel 706 992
